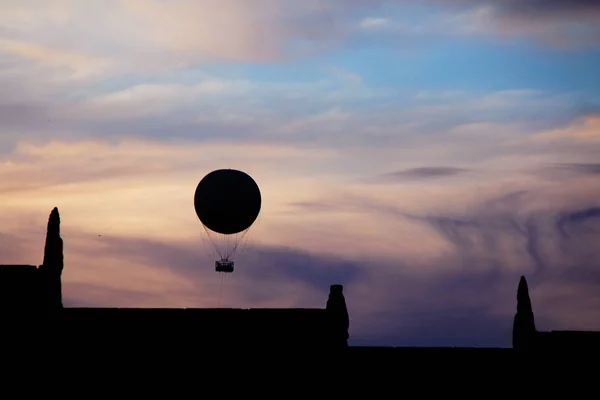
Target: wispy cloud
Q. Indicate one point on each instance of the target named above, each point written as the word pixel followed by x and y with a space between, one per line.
pixel 569 170
pixel 422 173
pixel 130 35
pixel 557 23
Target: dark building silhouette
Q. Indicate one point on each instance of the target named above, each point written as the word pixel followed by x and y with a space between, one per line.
pixel 527 337
pixel 31 295
pixel 35 294
pixel 20 290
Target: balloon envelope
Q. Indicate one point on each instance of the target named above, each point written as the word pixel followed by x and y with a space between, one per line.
pixel 227 201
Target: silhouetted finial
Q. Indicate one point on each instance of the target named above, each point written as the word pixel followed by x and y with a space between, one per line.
pixel 53 264
pixel 53 250
pixel 336 306
pixel 523 299
pixel 337 289
pixel 524 323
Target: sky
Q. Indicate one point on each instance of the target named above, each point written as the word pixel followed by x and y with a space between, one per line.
pixel 425 155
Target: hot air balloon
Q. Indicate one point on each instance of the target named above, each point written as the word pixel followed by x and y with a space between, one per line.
pixel 227 202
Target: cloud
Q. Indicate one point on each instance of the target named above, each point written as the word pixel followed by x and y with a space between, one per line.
pixel 57 86
pixel 555 8
pixel 559 23
pixel 576 219
pixel 82 64
pixel 206 109
pixel 585 128
pixel 38 165
pixel 423 173
pixel 120 33
pixel 328 112
pixel 370 23
pixel 494 222
pixel 296 158
pixel 566 171
pixel 127 36
pixel 582 168
pixel 131 184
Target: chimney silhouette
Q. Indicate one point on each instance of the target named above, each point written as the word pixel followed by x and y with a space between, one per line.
pixel 338 314
pixel 52 267
pixel 524 324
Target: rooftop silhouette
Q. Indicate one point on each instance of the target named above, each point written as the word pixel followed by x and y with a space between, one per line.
pixel 28 291
pixel 527 337
pixel 34 294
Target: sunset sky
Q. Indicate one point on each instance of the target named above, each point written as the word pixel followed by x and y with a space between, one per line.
pixel 424 154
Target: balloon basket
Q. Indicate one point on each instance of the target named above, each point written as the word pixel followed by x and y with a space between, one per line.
pixel 224 266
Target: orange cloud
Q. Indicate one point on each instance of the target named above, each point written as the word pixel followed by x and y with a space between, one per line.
pixel 586 128
pixel 144 189
pixel 81 64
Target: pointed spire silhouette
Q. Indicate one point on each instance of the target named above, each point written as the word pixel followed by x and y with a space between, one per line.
pixel 523 299
pixel 53 249
pixel 524 323
pixel 53 264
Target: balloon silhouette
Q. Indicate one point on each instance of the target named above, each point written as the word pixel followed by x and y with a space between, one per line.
pixel 227 202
